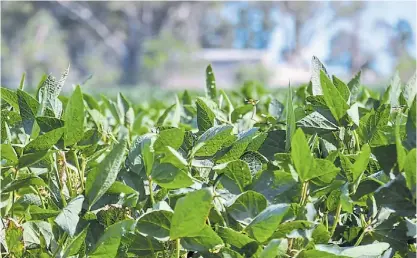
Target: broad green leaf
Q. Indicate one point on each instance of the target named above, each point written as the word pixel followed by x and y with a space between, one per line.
pixel 9 154
pixel 76 243
pixel 318 254
pixel 28 107
pixel 411 126
pixel 275 108
pixel 320 234
pixel 316 123
pixel 175 158
pixel 240 241
pixel 301 155
pixel 74 118
pixel 169 138
pixel 141 147
pixel 210 83
pixel 264 225
pixel 409 90
pixel 355 86
pixel 142 246
pixel 322 167
pixel 190 214
pixel 273 143
pixel 47 123
pixel 333 98
pixel 401 152
pixel 342 88
pixel 45 141
pixel 247 206
pixel 372 126
pixel 103 176
pixel 275 184
pixel 205 114
pixel 23 182
pixel 275 248
pixel 255 161
pixel 108 243
pixel 68 218
pixel 170 177
pixel 395 90
pixel 156 223
pixel 239 146
pixel 38 213
pixel 29 159
pixel 316 68
pixel 410 170
pixel 10 97
pixel 236 175
pixel 290 119
pixel 215 139
pixel 35 232
pixel 205 240
pixel 239 112
pixel 371 250
pixel 361 162
pixel 14 236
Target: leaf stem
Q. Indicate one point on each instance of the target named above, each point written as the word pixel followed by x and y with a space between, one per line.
pixel 355 135
pixel 304 191
pixel 338 210
pixel 178 248
pixel 151 191
pixel 361 237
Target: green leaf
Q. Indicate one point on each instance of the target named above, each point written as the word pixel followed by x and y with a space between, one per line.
pixel 214 139
pixel 301 155
pixel 411 126
pixel 239 146
pixel 275 108
pixel 275 248
pixel 47 123
pixel 76 244
pixel 342 88
pixel 156 223
pixel 372 250
pixel 264 225
pixel 23 182
pixel 205 240
pixel 68 218
pixel 239 112
pixel 45 141
pixel 361 162
pixel 140 150
pixel 316 82
pixel 10 97
pixel 144 246
pixel 320 234
pixel 355 86
pixel 170 177
pixel 9 154
pixel 316 123
pixel 189 218
pixel 409 90
pixel 333 98
pixel 35 232
pixel 74 118
pixel 395 90
pixel 14 237
pixel 109 241
pixel 410 170
pixel 290 119
pixel 172 137
pixel 28 107
pixel 205 114
pixel 210 83
pixel 247 206
pixel 372 126
pixel 239 241
pixel 236 175
pixel 318 254
pixel 401 152
pixel 29 159
pixel 101 178
pixel 275 184
pixel 38 213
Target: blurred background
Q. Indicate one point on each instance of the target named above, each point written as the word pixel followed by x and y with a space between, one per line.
pixel 167 45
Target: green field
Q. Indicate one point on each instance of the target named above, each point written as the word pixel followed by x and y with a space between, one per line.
pixel 327 169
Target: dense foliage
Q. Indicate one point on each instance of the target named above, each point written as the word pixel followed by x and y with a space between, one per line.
pixel 328 170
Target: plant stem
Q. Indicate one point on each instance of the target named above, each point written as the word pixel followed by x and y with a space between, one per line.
pixel 355 134
pixel 338 210
pixel 178 248
pixel 151 191
pixel 304 190
pixel 64 237
pixel 361 237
